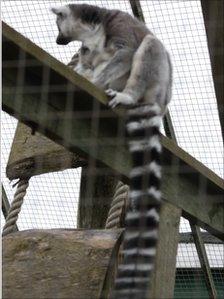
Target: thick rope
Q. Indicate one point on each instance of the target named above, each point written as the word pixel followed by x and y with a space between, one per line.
pixel 118 205
pixel 15 208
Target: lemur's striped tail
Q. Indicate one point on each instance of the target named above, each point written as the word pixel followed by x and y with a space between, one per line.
pixel 142 219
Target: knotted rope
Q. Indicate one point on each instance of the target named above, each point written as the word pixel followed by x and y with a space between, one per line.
pixel 15 207
pixel 116 212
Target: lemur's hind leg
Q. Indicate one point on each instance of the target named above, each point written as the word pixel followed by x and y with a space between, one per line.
pixel 118 66
pixel 149 75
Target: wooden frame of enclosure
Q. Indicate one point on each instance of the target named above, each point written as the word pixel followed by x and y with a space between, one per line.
pixel 199 192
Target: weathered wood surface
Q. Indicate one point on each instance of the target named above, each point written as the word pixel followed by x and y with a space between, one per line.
pixel 206 238
pixel 203 190
pixel 59 263
pixel 5 202
pixel 33 154
pixel 214 25
pixel 96 193
pixel 165 263
pixel 202 254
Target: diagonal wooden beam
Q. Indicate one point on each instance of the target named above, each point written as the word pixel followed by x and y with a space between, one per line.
pixel 42 92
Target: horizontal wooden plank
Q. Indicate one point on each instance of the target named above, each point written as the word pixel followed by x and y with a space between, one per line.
pixel 42 92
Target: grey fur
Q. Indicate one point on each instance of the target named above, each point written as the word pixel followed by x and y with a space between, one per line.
pixel 129 59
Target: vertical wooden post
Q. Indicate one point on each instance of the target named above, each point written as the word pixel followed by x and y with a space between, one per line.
pixel 96 193
pixel 163 280
pixel 5 203
pixel 214 24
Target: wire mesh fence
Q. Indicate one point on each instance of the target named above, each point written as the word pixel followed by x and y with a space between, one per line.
pixel 52 198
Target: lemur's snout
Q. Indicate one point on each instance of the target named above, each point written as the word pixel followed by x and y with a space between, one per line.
pixel 61 40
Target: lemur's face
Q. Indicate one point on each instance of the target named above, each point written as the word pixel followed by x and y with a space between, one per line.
pixel 70 28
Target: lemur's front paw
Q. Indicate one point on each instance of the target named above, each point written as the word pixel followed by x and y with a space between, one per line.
pixel 119 98
pixel 111 93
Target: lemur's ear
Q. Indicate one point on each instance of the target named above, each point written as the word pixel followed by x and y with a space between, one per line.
pixel 60 11
pixel 55 10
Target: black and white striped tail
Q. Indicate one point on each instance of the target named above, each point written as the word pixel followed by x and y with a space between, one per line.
pixel 142 220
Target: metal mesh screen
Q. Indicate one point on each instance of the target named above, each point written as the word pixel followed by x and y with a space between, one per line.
pixel 180 26
pixel 52 199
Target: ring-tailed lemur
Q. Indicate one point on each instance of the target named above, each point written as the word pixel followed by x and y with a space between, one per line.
pixel 122 56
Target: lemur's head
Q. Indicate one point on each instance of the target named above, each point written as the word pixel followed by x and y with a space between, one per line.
pixel 77 22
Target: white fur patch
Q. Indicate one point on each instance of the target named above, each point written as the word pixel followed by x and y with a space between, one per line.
pixel 65 10
pixel 154 121
pixel 153 214
pixel 154 142
pixel 133 215
pixel 155 168
pixel 136 234
pixel 96 40
pixel 136 193
pixel 145 144
pixel 142 170
pixel 143 252
pixel 154 193
pixel 138 267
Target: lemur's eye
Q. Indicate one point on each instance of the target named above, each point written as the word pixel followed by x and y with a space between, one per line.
pixel 84 50
pixel 60 15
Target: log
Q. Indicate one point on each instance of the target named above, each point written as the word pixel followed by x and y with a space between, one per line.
pixel 59 263
pixel 33 154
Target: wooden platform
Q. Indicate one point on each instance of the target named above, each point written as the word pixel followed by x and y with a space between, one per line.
pixel 59 263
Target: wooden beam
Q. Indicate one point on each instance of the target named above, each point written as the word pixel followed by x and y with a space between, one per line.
pixel 204 261
pixel 96 193
pixel 163 280
pixel 5 203
pixel 41 92
pixel 214 25
pixel 206 237
pixel 77 264
pixel 34 154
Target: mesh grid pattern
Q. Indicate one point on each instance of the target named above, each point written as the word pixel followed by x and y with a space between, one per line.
pixel 51 199
pixel 179 24
pixel 193 108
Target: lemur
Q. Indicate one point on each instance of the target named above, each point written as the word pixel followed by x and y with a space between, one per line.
pixel 121 55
